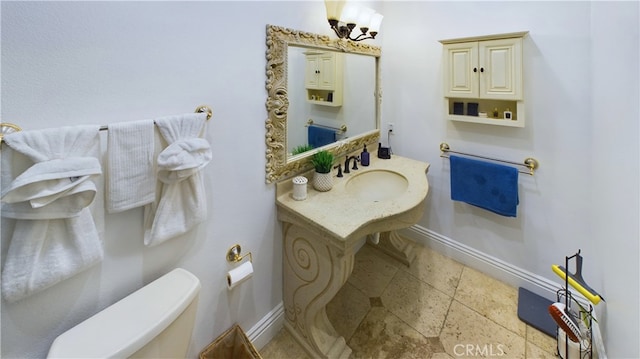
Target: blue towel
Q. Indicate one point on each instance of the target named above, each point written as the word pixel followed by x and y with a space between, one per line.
pixel 486 185
pixel 320 136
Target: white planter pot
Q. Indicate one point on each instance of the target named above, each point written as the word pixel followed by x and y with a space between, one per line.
pixel 322 181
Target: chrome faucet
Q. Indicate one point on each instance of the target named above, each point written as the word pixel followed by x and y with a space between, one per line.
pixel 355 163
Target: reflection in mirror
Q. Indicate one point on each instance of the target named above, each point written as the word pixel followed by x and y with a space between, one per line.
pixel 351 105
pixel 355 109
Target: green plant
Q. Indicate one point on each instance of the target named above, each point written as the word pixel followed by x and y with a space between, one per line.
pixel 300 149
pixel 322 161
pixel 586 315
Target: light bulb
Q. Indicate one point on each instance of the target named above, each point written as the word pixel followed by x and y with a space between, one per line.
pixel 349 13
pixel 334 9
pixel 376 21
pixel 364 18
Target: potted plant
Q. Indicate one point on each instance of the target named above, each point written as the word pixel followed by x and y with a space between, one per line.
pixel 322 162
pixel 301 149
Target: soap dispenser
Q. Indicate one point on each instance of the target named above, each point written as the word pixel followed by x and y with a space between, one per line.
pixel 364 157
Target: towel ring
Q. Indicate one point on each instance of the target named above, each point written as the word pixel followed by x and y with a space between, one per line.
pixel 7 128
pixel 205 109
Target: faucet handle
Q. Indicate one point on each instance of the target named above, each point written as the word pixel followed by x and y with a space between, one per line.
pixel 355 162
pixel 339 167
pixel 346 165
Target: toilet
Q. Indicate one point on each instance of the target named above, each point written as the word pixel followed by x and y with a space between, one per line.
pixel 154 322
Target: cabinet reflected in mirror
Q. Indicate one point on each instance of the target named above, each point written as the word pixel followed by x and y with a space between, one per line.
pixel 349 96
pixel 332 89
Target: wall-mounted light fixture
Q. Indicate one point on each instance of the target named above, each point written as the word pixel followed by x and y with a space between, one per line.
pixel 344 16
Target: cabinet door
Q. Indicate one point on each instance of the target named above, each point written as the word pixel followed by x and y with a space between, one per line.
pixel 312 72
pixel 501 69
pixel 461 70
pixel 327 67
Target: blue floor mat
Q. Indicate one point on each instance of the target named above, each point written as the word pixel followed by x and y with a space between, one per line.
pixel 534 310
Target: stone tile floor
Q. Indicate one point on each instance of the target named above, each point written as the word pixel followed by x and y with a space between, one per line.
pixel 437 308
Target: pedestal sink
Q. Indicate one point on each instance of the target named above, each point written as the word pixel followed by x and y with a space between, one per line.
pixel 377 185
pixel 321 235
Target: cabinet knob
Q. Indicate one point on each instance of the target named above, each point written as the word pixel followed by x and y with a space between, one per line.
pixel 482 69
pixel 475 69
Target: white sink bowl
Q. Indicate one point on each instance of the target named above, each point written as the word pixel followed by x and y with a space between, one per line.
pixel 377 185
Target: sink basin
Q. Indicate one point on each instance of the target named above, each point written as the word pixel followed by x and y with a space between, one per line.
pixel 377 185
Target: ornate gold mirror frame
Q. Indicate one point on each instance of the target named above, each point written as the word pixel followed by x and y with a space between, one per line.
pixel 279 166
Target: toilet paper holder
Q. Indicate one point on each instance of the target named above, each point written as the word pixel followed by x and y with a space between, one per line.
pixel 234 254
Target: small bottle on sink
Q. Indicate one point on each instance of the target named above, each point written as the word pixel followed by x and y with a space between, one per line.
pixel 364 157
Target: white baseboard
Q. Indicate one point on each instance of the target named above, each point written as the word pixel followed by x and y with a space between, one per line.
pixel 267 328
pixel 483 262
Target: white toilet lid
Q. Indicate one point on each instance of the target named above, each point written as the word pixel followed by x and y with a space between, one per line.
pixel 126 326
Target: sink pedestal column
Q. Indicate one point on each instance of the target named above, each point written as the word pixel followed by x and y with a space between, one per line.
pixel 397 247
pixel 320 237
pixel 314 271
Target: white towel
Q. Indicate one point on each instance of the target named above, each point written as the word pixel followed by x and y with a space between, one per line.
pixel 130 160
pixel 55 236
pixel 182 203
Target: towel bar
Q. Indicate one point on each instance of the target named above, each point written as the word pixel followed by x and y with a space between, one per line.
pixel 531 163
pixel 342 128
pixel 7 128
pixel 200 109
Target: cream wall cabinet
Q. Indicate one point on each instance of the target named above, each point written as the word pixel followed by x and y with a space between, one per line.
pixel 323 78
pixel 487 71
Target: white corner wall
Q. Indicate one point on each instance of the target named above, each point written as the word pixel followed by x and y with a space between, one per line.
pixel 615 53
pixel 552 208
pixel 72 63
pixel 581 93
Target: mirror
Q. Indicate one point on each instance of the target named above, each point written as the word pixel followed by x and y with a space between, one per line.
pixel 353 113
pixel 355 109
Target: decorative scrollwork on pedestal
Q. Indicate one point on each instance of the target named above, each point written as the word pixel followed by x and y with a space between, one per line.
pixel 314 271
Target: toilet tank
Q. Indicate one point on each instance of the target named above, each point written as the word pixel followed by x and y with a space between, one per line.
pixel 156 321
